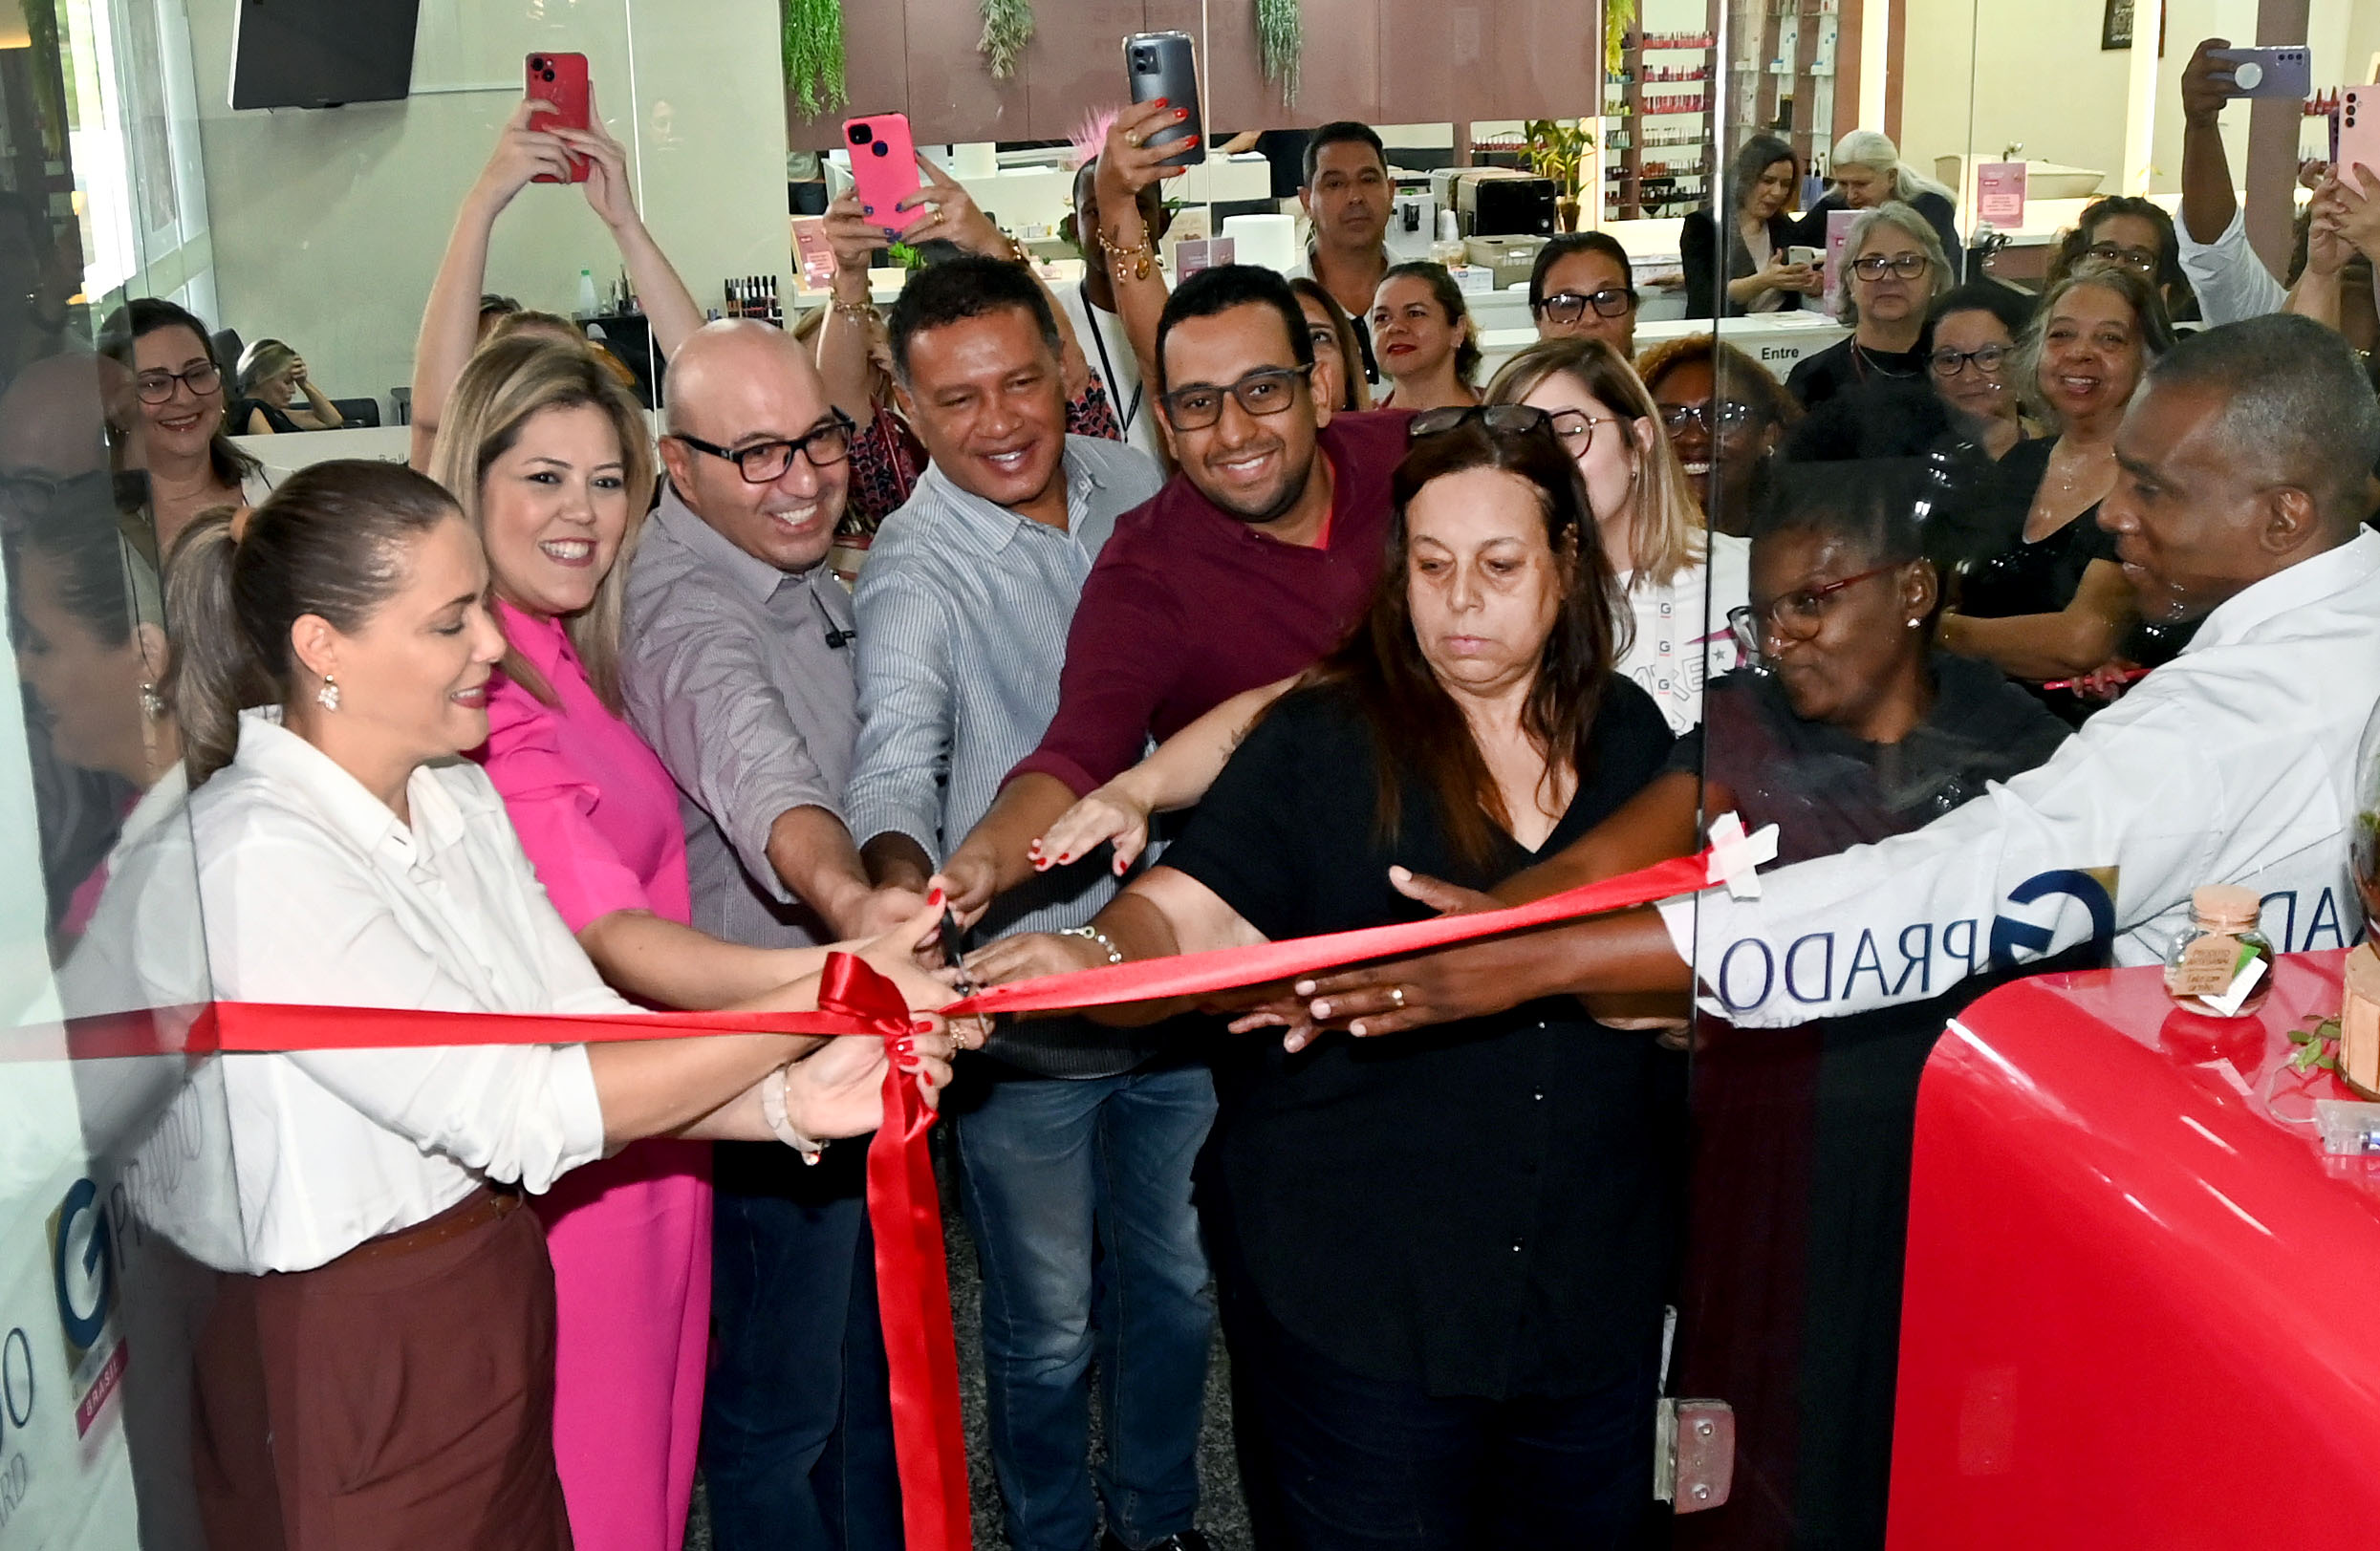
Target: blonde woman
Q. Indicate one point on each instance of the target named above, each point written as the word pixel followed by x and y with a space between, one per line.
pixel 272 376
pixel 1892 268
pixel 550 459
pixel 1678 581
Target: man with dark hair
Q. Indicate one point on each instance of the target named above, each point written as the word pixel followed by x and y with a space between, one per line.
pixel 1076 1137
pixel 1250 565
pixel 2239 504
pixel 1348 198
pixel 1582 285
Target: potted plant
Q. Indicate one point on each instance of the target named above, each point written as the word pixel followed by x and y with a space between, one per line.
pixel 1557 149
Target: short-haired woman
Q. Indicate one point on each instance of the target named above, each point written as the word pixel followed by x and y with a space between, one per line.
pixel 1422 333
pixel 1481 1372
pixel 395 1339
pixel 2039 591
pixel 271 374
pixel 1764 181
pixel 1892 268
pixel 1584 286
pixel 1678 578
pixel 1338 349
pixel 1974 329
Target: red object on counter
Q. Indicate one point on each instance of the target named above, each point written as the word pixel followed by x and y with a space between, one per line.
pixel 2137 1309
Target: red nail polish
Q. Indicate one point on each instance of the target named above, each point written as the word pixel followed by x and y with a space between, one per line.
pixel 904 1046
pixel 934 900
pixel 1180 114
pixel 923 1025
pixel 1160 101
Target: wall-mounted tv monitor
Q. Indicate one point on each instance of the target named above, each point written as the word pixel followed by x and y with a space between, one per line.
pixel 319 53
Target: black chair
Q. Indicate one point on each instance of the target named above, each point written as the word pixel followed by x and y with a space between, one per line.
pixel 228 351
pixel 358 412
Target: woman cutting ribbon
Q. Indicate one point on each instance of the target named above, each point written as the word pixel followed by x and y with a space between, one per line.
pixel 383 1375
pixel 1484 1371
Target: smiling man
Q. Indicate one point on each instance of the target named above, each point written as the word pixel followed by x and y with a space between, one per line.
pixel 2244 458
pixel 1247 567
pixel 737 669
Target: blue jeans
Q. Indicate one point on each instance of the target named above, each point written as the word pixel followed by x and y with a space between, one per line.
pixel 1078 1193
pixel 797 1425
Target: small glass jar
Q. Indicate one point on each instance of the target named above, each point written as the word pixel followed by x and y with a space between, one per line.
pixel 2222 966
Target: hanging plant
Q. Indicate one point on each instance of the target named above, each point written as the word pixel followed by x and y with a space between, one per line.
pixel 1618 16
pixel 814 53
pixel 1281 36
pixel 1007 27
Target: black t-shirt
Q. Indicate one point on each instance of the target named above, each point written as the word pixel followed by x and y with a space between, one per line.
pixel 1847 366
pixel 1476 1207
pixel 1826 791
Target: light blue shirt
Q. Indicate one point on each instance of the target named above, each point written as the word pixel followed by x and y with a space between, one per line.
pixel 964 610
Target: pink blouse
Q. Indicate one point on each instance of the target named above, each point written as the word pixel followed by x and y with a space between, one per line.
pixel 595 808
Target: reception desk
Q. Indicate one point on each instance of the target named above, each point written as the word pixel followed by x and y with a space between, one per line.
pixel 2138 1303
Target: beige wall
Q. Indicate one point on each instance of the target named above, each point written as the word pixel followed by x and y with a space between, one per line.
pixel 328 224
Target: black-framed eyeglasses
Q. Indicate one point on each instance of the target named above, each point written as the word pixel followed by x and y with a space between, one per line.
pixel 1873 266
pixel 1505 420
pixel 156 387
pixel 1986 359
pixel 2139 260
pixel 1268 390
pixel 1722 419
pixel 1793 616
pixel 1569 306
pixel 763 461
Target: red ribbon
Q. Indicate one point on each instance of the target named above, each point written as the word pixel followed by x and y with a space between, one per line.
pixel 903 1210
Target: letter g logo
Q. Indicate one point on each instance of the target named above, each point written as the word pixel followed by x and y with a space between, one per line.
pixel 2011 937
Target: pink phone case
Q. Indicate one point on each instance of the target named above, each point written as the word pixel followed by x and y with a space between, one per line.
pixel 2359 129
pixel 884 167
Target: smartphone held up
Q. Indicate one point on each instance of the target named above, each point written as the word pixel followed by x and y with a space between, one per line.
pixel 1165 65
pixel 561 80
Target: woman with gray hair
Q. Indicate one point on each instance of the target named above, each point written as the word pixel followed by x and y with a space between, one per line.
pixel 1892 268
pixel 2041 594
pixel 1866 170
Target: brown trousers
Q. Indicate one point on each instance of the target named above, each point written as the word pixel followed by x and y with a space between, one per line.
pixel 385 1404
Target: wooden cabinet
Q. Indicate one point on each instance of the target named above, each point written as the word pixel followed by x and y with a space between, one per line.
pixel 1382 61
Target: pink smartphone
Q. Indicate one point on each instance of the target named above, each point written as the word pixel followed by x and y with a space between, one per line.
pixel 884 165
pixel 2359 128
pixel 561 79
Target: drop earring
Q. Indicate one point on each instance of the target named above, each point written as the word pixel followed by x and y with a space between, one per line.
pixel 327 697
pixel 152 704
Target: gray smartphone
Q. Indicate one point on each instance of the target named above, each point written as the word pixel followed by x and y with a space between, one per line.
pixel 2286 71
pixel 1163 65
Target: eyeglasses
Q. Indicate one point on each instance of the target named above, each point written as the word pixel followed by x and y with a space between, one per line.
pixel 1569 306
pixel 763 462
pixel 1716 419
pixel 1268 390
pixel 1908 265
pixel 1513 419
pixel 2139 260
pixel 156 387
pixel 1987 359
pixel 1794 616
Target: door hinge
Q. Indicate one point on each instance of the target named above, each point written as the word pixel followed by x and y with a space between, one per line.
pixel 1693 1460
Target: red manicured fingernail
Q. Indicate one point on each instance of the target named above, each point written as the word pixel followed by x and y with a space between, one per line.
pixel 1065 856
pixel 910 1065
pixel 934 900
pixel 903 1047
pixel 1161 102
pixel 1182 113
pixel 923 1025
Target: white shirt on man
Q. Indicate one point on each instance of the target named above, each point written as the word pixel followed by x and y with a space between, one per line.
pixel 314 893
pixel 2232 764
pixel 2230 281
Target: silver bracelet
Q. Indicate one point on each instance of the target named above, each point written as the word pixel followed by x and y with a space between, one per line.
pixel 772 1110
pixel 1091 934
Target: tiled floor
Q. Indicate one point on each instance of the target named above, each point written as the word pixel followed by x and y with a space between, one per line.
pixel 1222 1514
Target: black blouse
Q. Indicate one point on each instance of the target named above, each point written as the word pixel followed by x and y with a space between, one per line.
pixel 1476 1207
pixel 1847 366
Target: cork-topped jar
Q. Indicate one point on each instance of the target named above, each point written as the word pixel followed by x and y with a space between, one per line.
pixel 2222 966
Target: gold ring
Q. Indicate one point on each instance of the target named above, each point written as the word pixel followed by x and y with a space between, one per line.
pixel 1397 995
pixel 1132 138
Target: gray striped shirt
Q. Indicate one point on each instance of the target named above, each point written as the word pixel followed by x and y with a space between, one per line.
pixel 963 611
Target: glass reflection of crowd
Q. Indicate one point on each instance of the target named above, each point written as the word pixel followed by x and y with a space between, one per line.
pixel 559 719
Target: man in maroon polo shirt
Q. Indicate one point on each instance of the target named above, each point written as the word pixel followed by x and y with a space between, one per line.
pixel 1250 565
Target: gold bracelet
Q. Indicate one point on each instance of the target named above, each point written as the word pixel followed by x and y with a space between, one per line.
pixel 1016 249
pixel 1129 263
pixel 860 312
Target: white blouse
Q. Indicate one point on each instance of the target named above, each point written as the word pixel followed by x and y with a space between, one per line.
pixel 1679 640
pixel 314 892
